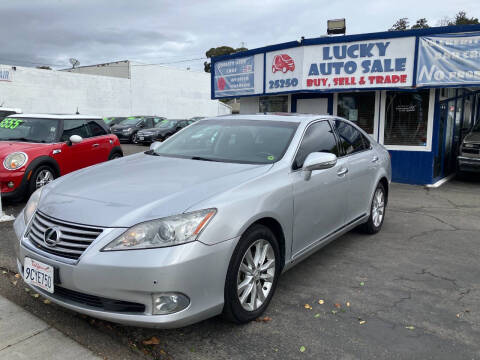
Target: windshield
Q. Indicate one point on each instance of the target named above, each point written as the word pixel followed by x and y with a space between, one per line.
pixel 166 124
pixel 130 121
pixel 240 141
pixel 29 129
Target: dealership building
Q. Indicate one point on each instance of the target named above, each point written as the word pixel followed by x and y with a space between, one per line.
pixel 416 91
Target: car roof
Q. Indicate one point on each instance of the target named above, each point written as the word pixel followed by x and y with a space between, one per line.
pixel 287 117
pixel 56 116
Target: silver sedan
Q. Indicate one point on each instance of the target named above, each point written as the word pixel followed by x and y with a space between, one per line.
pixel 203 223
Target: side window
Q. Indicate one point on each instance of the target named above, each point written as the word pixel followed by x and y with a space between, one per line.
pixel 74 127
pixel 318 138
pixel 149 123
pixel 95 129
pixel 351 140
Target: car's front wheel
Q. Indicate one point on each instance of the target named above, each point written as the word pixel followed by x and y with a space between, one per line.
pixel 252 275
pixel 42 175
pixel 377 210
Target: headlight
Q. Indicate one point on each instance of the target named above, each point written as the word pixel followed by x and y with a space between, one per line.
pixel 169 231
pixel 15 161
pixel 127 130
pixel 31 205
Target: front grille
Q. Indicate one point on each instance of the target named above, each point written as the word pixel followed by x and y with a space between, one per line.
pixel 470 150
pixel 98 302
pixel 74 239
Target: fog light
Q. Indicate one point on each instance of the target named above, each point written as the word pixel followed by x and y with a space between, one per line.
pixel 169 303
pixel 10 184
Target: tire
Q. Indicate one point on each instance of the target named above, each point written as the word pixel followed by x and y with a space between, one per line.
pixel 38 174
pixel 256 238
pixel 133 139
pixel 115 155
pixel 377 211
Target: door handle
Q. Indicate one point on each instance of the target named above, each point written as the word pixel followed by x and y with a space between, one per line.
pixel 375 159
pixel 95 145
pixel 342 172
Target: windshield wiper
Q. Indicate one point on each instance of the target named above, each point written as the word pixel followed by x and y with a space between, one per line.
pixel 203 158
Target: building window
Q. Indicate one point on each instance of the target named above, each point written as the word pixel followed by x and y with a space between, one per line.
pixel 274 104
pixel 406 118
pixel 359 108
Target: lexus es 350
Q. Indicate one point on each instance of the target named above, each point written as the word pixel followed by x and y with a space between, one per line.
pixel 203 223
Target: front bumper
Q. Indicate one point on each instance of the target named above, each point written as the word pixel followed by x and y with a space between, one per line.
pixel 123 136
pixel 194 269
pixel 147 138
pixel 468 164
pixel 20 184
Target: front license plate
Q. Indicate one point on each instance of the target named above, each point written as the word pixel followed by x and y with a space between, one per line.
pixel 38 274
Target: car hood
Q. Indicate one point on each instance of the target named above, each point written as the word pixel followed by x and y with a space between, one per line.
pixel 473 137
pixel 8 147
pixel 150 130
pixel 140 187
pixel 121 127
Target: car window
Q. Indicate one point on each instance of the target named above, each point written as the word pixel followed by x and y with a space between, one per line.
pixel 74 127
pixel 95 129
pixel 318 138
pixel 351 140
pixel 149 123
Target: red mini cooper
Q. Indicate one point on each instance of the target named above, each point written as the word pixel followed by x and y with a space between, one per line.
pixel 36 149
pixel 283 63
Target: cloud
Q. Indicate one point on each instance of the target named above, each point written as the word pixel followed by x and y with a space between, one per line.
pixel 49 32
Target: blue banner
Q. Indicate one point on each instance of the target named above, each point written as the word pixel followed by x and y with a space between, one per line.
pixel 449 60
pixel 234 77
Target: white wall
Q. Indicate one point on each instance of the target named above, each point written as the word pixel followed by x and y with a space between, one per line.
pixel 249 105
pixel 116 69
pixel 50 91
pixel 169 92
pixel 152 90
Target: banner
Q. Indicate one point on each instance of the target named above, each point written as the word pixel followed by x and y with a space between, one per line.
pixel 235 77
pixel 449 60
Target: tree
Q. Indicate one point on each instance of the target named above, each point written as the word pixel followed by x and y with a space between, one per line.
pixel 462 19
pixel 420 24
pixel 401 24
pixel 218 51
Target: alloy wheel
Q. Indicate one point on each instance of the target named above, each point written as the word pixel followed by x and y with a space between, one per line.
pixel 255 275
pixel 378 207
pixel 43 178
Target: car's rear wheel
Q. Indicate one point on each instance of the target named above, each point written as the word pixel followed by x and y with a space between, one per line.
pixel 41 176
pixel 115 155
pixel 377 211
pixel 252 275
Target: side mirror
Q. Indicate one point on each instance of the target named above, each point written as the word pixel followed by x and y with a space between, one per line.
pixel 155 145
pixel 318 161
pixel 75 139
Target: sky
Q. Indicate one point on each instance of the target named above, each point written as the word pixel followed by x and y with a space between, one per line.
pixel 177 33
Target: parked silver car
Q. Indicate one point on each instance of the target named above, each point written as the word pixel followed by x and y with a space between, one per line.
pixel 203 223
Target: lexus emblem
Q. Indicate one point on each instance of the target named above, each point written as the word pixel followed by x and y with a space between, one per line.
pixel 52 235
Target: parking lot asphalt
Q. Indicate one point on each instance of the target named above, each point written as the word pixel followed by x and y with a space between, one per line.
pixel 408 292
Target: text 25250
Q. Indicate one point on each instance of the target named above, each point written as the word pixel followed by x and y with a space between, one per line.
pixel 283 83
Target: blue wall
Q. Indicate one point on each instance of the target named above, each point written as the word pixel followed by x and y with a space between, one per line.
pixel 412 167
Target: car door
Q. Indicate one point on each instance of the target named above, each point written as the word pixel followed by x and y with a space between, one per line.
pixel 320 202
pixel 362 164
pixel 102 144
pixel 84 153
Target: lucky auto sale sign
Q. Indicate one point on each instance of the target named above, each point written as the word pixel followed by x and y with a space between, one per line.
pixel 362 64
pixel 353 65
